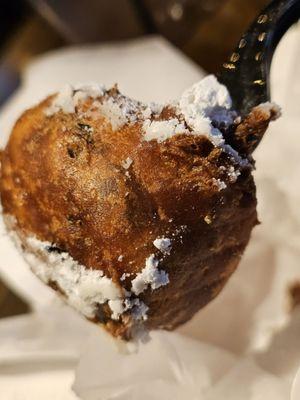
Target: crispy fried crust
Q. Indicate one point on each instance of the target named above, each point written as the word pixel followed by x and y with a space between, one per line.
pixel 69 187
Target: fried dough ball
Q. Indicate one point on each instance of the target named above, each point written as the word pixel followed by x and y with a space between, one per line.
pixel 135 215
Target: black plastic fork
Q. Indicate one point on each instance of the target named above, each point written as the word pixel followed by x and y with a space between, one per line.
pixel 247 72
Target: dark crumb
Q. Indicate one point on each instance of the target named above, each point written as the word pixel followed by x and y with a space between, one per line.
pixel 86 132
pixel 75 219
pixel 54 249
pixel 85 127
pixel 114 91
pixel 103 314
pixel 202 148
pixel 54 286
pixel 294 295
pixel 71 152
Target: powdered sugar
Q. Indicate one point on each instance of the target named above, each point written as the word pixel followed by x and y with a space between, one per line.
pixel 117 308
pixel 69 97
pixel 149 276
pixel 202 103
pixel 203 99
pixel 198 107
pixel 151 109
pixel 162 130
pixel 85 90
pixel 125 275
pixel 221 185
pixel 270 109
pixel 205 102
pixel 138 308
pixel 200 111
pixel 84 288
pixel 233 174
pixel 163 244
pixel 118 109
pixel 113 113
pixel 243 162
pixel 62 102
pixel 208 219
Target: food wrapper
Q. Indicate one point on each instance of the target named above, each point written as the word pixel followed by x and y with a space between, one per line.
pixel 243 345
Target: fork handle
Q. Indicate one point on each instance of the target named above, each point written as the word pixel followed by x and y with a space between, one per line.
pixel 247 72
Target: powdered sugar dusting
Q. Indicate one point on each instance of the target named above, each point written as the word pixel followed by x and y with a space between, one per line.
pixel 203 99
pixel 149 276
pixel 201 110
pixel 84 288
pixel 69 97
pixel 271 110
pixel 113 113
pixel 243 162
pixel 221 185
pixel 117 308
pixel 203 102
pixel 199 106
pixel 138 308
pixel 62 102
pixel 151 109
pixel 117 108
pixel 84 91
pixel 162 130
pixel 125 275
pixel 163 244
pixel 208 219
pixel 233 174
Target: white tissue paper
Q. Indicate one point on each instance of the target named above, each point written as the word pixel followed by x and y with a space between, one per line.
pixel 245 344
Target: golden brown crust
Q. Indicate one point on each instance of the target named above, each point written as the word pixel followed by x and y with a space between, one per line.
pixel 247 135
pixel 69 187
